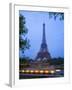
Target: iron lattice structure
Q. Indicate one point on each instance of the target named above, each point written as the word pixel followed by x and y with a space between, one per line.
pixel 43 52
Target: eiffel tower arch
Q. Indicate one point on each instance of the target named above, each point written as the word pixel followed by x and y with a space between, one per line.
pixel 43 53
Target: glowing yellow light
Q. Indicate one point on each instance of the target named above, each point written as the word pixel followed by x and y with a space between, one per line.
pixel 27 71
pixel 46 71
pixel 22 71
pixel 52 71
pixel 41 71
pixel 58 70
pixel 36 71
pixel 31 71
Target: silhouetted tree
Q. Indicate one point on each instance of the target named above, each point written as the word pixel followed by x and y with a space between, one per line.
pixel 57 61
pixel 23 42
pixel 56 15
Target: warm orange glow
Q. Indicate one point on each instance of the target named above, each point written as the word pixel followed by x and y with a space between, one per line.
pixel 36 71
pixel 46 71
pixel 41 71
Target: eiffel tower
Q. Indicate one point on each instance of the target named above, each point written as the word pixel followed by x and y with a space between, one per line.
pixel 43 53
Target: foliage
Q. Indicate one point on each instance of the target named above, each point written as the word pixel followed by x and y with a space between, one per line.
pixel 23 41
pixel 24 63
pixel 57 61
pixel 56 15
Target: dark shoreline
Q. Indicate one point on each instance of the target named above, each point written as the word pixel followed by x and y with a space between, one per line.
pixel 39 76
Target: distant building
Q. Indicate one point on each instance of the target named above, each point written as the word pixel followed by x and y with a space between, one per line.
pixel 43 54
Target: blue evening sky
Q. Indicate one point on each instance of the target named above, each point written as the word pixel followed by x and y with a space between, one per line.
pixel 54 30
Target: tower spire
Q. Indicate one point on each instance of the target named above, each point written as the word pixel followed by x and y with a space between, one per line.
pixel 44 36
pixel 43 53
